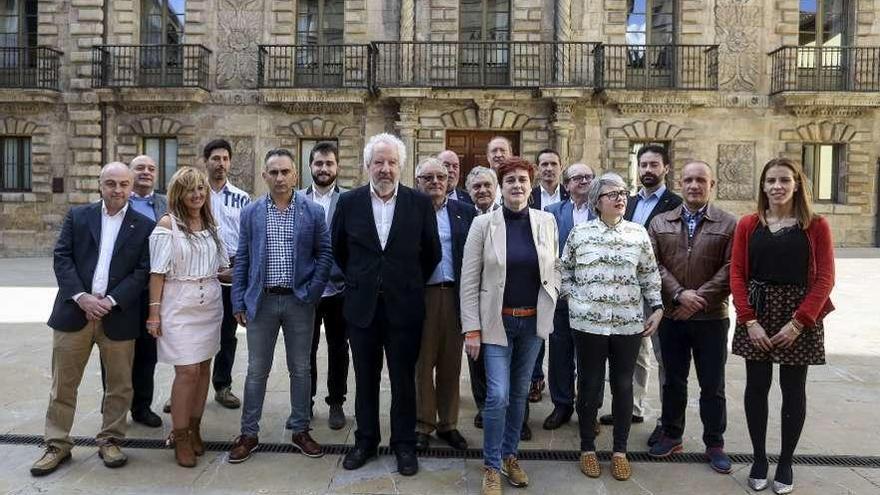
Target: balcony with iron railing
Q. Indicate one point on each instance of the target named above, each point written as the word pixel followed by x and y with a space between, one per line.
pixel 825 68
pixel 314 66
pixel 638 67
pixel 150 66
pixel 34 67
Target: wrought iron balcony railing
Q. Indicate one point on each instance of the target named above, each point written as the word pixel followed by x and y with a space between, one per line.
pixel 166 66
pixel 314 66
pixel 825 68
pixel 34 67
pixel 657 66
pixel 502 64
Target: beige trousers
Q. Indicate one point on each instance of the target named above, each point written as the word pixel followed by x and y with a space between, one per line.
pixel 437 395
pixel 70 354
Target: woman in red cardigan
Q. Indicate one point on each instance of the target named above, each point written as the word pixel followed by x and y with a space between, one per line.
pixel 781 274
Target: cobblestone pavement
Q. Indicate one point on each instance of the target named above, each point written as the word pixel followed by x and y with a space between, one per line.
pixel 844 400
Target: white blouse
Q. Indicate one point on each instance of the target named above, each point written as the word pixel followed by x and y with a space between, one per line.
pixel 186 257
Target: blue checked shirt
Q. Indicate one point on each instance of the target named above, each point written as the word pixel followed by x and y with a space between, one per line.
pixel 280 252
pixel 692 219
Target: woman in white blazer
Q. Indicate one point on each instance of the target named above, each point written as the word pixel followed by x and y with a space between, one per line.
pixel 509 285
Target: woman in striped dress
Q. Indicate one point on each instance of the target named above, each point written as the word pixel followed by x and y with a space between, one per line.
pixel 185 303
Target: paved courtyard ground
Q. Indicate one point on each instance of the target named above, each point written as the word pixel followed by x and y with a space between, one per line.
pixel 843 407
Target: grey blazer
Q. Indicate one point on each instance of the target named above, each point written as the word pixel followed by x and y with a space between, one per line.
pixel 160 205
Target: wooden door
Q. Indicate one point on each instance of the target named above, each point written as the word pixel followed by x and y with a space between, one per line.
pixel 471 147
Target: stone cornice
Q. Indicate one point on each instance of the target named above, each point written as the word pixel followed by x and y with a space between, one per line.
pixel 296 101
pixel 153 100
pixel 25 101
pixel 658 101
pixel 826 103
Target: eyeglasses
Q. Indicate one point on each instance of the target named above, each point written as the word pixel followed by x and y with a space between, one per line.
pixel 433 177
pixel 614 195
pixel 581 178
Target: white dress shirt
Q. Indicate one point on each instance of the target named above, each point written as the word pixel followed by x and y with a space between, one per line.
pixel 581 214
pixel 383 213
pixel 548 199
pixel 110 225
pixel 324 200
pixel 226 206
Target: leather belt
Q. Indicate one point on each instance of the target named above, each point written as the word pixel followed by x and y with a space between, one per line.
pixel 442 285
pixel 284 291
pixel 519 312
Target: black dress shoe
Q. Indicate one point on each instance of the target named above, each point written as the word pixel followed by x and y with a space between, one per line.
pixel 608 419
pixel 557 418
pixel 478 420
pixel 454 439
pixel 407 462
pixel 146 418
pixel 526 433
pixel 655 435
pixel 357 457
pixel 423 440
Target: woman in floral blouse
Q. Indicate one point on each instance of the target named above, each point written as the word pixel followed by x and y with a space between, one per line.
pixel 608 269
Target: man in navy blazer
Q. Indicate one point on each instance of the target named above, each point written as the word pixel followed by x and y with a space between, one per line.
pixel 385 241
pixel 453 168
pixel 561 367
pixel 439 367
pixel 280 272
pixel 101 260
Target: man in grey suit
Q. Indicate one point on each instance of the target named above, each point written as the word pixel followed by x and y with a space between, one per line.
pixel 152 205
pixel 324 165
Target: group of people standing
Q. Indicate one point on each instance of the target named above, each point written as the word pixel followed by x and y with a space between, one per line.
pixel 417 276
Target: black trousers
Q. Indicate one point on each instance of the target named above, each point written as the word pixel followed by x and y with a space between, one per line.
pixel 142 371
pixel 400 346
pixel 706 340
pixel 329 311
pixel 592 352
pixel 222 375
pixel 477 371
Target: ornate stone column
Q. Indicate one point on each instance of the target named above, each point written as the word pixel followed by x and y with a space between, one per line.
pixel 407 34
pixel 563 125
pixel 407 127
pixel 563 35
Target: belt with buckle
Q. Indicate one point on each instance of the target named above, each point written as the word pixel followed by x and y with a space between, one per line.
pixel 519 312
pixel 282 291
pixel 442 285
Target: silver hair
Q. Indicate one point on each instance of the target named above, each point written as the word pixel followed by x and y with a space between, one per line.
pixel 426 162
pixel 478 171
pixel 389 139
pixel 609 179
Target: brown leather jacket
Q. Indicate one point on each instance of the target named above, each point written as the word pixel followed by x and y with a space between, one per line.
pixel 703 266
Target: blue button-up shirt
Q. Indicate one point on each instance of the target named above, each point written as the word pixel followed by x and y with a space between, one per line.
pixel 646 205
pixel 143 205
pixel 280 249
pixel 444 271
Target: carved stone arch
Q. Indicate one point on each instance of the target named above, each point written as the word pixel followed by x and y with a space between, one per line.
pixel 490 118
pixel 826 132
pixel 16 126
pixel 156 125
pixel 647 130
pixel 349 138
pixel 619 139
pixel 317 127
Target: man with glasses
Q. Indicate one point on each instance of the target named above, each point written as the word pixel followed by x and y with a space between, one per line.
pixel 568 213
pixel 652 199
pixel 453 168
pixel 439 366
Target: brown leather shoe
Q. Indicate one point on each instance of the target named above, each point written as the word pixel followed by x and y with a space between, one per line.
pixel 590 464
pixel 183 449
pixel 620 468
pixel 536 390
pixel 242 449
pixel 197 445
pixel 52 457
pixel 304 442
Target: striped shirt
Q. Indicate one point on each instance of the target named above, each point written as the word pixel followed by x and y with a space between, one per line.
pixel 607 272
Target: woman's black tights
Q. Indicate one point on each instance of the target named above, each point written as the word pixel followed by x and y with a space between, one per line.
pixel 793 384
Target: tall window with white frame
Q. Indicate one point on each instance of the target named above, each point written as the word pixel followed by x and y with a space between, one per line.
pixel 650 35
pixel 484 26
pixel 825 166
pixel 319 37
pixel 162 34
pixel 163 150
pixel 15 163
pixel 823 38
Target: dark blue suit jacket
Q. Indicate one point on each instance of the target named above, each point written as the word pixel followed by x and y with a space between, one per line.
pixel 461 215
pixel 400 270
pixel 562 212
pixel 75 258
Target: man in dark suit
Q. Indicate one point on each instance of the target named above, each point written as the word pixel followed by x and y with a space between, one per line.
pixel 102 260
pixel 152 205
pixel 324 165
pixel 549 191
pixel 385 241
pixel 442 339
pixel 453 168
pixel 652 199
pixel 561 366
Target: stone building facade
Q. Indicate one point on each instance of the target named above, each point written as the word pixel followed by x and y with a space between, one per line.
pixel 731 82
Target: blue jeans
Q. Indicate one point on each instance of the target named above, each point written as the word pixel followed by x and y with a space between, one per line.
pixel 297 322
pixel 508 375
pixel 562 362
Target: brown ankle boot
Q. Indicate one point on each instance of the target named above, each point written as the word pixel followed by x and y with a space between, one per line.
pixel 196 436
pixel 183 448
